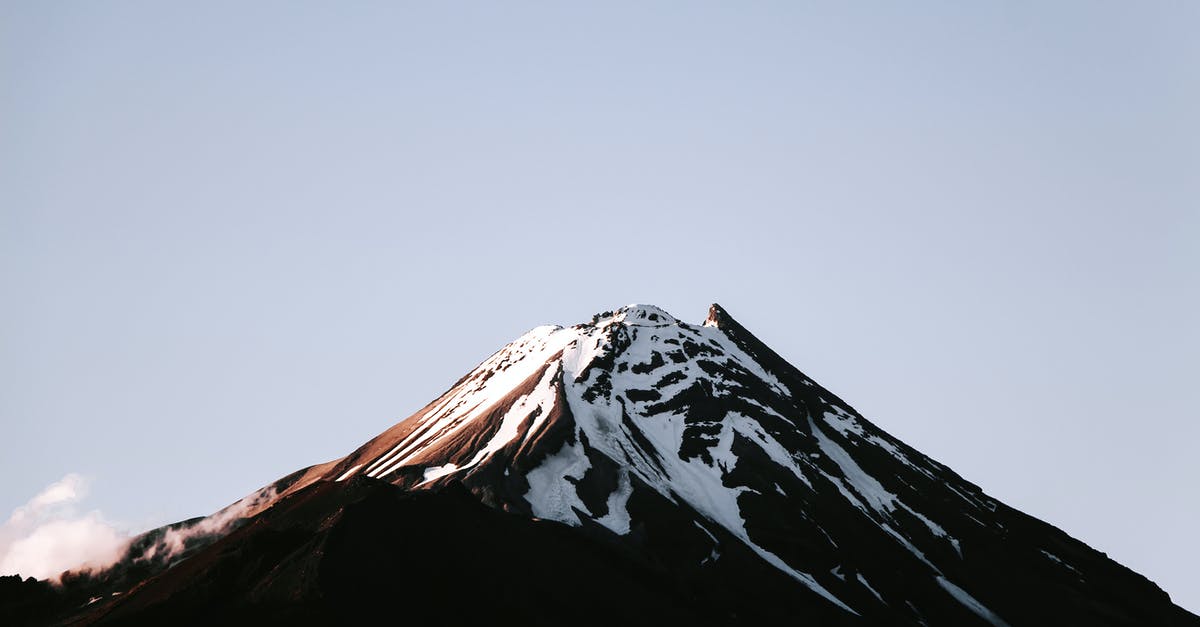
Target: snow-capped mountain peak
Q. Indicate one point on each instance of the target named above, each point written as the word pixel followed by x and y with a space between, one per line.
pixel 692 459
pixel 569 423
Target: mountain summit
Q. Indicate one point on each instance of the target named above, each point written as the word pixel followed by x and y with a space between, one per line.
pixel 641 469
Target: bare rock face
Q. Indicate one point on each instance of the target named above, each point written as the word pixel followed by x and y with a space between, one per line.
pixel 634 469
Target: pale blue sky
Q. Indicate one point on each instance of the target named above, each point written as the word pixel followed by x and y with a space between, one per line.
pixel 236 240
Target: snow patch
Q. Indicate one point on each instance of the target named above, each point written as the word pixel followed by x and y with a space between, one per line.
pixel 617 518
pixel 346 475
pixel 871 491
pixel 970 602
pixel 438 471
pixel 863 581
pixel 1057 560
pixel 550 495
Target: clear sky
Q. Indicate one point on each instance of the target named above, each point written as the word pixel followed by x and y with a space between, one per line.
pixel 240 238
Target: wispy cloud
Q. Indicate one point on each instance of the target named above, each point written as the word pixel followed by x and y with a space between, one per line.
pixel 176 540
pixel 49 534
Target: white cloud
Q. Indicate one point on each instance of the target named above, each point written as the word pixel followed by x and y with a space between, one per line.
pixel 71 488
pixel 174 541
pixel 47 535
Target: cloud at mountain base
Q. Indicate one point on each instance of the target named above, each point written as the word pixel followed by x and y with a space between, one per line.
pixel 49 534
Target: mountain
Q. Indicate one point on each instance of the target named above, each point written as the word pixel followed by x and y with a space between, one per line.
pixel 634 469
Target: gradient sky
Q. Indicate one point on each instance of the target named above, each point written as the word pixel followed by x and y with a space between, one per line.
pixel 241 238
